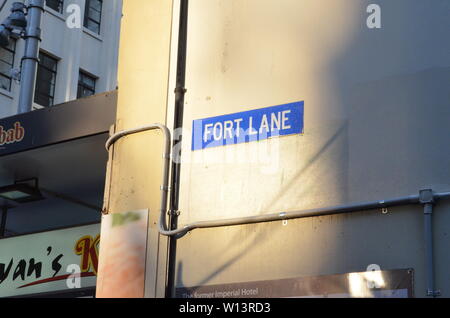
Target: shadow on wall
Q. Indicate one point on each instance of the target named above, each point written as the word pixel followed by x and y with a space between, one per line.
pixel 390 86
pixel 394 82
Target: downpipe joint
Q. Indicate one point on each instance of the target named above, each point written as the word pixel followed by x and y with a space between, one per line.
pixel 427 199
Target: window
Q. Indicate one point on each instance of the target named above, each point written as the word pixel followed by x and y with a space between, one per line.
pixel 6 64
pixel 93 15
pixel 57 5
pixel 86 85
pixel 45 80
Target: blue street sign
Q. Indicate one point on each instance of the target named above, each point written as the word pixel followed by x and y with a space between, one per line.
pixel 249 126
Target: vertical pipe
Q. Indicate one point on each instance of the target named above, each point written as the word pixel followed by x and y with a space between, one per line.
pixel 30 59
pixel 3 222
pixel 180 91
pixel 428 230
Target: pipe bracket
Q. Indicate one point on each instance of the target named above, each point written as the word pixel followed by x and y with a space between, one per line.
pixel 174 213
pixel 180 90
pixel 426 196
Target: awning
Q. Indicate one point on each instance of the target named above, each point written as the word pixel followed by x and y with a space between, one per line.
pixel 63 148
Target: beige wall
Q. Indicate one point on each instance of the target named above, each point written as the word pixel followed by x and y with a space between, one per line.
pixel 135 169
pixel 357 85
pixel 374 101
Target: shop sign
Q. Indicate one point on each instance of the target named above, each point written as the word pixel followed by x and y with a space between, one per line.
pixel 370 284
pixel 14 134
pixel 50 261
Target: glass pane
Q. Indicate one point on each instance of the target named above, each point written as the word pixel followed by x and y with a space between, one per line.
pixel 47 61
pixel 96 4
pixel 84 92
pixel 45 80
pixel 88 81
pixel 43 100
pixel 44 75
pixel 94 15
pixel 56 5
pixel 5 68
pixel 5 83
pixel 94 27
pixel 12 45
pixel 44 88
pixel 6 56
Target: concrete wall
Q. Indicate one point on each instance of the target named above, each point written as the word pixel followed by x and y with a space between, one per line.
pixel 376 127
pixel 76 48
pixel 134 169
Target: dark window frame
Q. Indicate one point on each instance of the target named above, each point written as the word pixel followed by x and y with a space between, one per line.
pixel 60 5
pixel 88 18
pixel 54 73
pixel 81 84
pixel 13 52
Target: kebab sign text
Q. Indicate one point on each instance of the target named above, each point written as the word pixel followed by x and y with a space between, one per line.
pixel 49 261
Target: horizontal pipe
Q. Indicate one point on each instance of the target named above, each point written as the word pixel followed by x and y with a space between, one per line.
pixel 124 133
pixel 442 195
pixel 340 209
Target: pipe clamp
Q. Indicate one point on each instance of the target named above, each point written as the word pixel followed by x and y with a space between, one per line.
pixel 426 196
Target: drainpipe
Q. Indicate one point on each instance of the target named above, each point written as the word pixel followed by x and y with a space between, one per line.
pixel 180 92
pixel 427 199
pixel 30 59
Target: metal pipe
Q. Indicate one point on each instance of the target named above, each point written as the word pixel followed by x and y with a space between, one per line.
pixel 180 92
pixel 428 232
pixel 442 195
pixel 31 58
pixel 296 214
pixel 166 165
pixel 426 197
pixel 340 209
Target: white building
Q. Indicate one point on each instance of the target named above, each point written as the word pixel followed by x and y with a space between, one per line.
pixel 74 61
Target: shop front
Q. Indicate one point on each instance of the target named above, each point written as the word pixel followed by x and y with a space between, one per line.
pixel 60 263
pixel 52 175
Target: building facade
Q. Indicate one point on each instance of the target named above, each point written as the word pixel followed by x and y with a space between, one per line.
pixel 78 53
pixel 368 85
pixel 338 188
pixel 57 149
